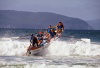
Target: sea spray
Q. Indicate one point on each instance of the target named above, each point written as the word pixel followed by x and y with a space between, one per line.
pixel 82 47
pixel 9 47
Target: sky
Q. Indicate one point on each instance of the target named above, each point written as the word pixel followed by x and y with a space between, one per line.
pixel 83 9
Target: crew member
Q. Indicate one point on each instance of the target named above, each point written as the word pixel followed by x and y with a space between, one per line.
pixel 40 37
pixel 33 40
pixel 53 33
pixel 60 28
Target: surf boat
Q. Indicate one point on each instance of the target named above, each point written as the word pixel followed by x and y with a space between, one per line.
pixel 35 50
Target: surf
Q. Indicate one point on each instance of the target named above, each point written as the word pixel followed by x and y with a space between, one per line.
pixel 82 47
pixel 11 47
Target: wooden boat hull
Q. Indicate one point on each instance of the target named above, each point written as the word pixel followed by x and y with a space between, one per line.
pixel 36 50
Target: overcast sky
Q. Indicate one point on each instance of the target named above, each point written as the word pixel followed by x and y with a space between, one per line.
pixel 84 9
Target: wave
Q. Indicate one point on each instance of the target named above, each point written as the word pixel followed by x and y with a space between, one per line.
pixel 82 47
pixel 10 47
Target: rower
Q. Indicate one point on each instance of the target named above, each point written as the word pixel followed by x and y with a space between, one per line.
pixel 53 33
pixel 49 29
pixel 40 37
pixel 60 28
pixel 33 41
pixel 47 37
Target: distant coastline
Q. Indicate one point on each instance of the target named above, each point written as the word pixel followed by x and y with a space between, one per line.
pixel 39 20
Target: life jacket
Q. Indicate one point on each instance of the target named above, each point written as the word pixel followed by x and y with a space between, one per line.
pixel 60 27
pixel 49 30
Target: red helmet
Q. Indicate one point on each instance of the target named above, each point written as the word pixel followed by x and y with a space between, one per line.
pixel 40 32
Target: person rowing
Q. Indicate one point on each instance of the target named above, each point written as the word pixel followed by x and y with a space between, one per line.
pixel 51 31
pixel 33 41
pixel 47 37
pixel 40 37
pixel 60 28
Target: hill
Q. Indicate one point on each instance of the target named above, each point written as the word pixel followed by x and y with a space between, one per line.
pixel 39 20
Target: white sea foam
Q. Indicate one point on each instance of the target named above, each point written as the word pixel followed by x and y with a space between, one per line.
pixel 46 66
pixel 83 47
pixel 47 62
pixel 9 47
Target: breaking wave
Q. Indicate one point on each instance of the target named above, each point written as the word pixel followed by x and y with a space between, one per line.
pixel 82 47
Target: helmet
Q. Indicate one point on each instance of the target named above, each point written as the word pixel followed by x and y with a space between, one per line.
pixel 40 32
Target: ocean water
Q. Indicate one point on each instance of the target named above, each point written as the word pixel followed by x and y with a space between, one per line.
pixel 75 49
